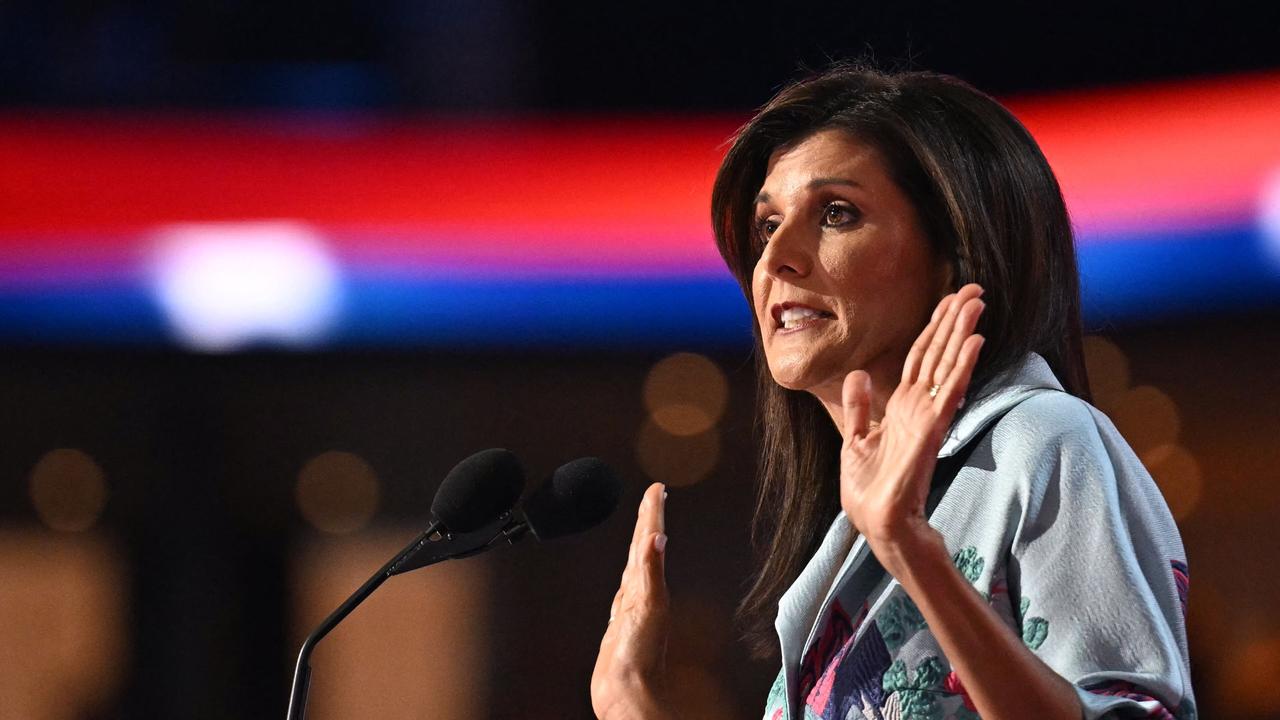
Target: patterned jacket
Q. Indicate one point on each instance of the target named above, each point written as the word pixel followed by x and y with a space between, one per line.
pixel 1056 523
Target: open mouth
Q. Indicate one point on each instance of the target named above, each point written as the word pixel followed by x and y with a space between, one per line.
pixel 789 316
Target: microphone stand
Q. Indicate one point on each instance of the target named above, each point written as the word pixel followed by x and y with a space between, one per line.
pixel 431 547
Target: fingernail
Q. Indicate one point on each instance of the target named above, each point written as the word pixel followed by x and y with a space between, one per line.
pixel 660 542
pixel 665 494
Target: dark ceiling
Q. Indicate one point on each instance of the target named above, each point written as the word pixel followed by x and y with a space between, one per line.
pixel 507 55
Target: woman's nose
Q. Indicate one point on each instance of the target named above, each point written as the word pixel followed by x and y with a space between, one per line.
pixel 788 252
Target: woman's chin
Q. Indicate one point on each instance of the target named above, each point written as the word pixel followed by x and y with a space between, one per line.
pixel 795 376
pixel 817 378
pixel 791 385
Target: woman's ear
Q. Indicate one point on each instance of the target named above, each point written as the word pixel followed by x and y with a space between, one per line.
pixel 946 275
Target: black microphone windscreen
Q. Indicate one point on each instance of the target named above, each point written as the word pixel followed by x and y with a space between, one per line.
pixel 478 490
pixel 579 495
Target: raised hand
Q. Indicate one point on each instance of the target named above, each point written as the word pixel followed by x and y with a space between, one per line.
pixel 885 469
pixel 629 680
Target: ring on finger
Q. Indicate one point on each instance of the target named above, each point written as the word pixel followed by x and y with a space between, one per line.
pixel 933 391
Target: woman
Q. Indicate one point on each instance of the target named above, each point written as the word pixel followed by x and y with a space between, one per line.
pixel 996 550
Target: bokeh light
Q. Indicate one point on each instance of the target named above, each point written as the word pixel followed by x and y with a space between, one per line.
pixel 685 393
pixel 1250 682
pixel 676 459
pixel 1147 418
pixel 1177 472
pixel 68 490
pixel 417 648
pixel 65 644
pixel 225 285
pixel 337 492
pixel 1269 217
pixel 1107 368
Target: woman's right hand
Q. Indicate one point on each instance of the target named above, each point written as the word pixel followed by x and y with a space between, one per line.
pixel 629 681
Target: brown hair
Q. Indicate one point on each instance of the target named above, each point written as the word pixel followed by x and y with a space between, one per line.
pixel 989 204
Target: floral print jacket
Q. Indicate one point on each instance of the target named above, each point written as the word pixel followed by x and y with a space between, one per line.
pixel 1054 521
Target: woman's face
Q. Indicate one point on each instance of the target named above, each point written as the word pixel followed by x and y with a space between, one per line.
pixel 846 279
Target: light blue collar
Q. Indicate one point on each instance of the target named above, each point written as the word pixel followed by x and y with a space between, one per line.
pixel 1003 392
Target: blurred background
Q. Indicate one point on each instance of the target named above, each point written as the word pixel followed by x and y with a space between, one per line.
pixel 268 270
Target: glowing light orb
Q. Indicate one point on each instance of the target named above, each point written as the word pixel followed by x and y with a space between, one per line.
pixel 1269 217
pixel 227 285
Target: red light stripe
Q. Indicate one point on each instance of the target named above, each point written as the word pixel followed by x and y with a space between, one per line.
pixel 117 173
pixel 1172 154
pixel 1135 158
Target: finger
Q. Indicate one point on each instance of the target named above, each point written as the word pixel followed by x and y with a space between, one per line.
pixel 938 343
pixel 654 539
pixel 649 519
pixel 856 396
pixel 661 509
pixel 652 515
pixel 633 550
pixel 911 368
pixel 637 534
pixel 954 389
pixel 929 361
pixel 654 582
pixel 966 322
pixel 616 605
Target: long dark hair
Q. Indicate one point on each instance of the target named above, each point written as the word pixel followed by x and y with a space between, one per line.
pixel 990 205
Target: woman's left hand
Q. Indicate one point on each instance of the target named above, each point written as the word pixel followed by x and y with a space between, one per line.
pixel 629 681
pixel 886 469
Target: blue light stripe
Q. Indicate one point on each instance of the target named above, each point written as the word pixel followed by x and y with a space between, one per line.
pixel 1125 280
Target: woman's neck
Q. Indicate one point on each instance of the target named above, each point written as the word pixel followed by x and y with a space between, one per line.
pixel 831 395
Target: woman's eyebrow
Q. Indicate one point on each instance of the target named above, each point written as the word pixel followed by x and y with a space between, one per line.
pixel 814 184
pixel 825 181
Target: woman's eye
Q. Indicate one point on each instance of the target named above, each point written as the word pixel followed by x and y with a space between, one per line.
pixel 838 214
pixel 765 228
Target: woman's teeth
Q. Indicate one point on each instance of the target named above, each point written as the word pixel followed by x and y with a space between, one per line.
pixel 794 317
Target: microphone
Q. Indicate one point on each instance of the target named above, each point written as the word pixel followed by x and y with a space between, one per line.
pixel 472 512
pixel 478 492
pixel 578 496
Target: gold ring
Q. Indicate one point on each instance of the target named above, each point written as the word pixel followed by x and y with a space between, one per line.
pixel 933 391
